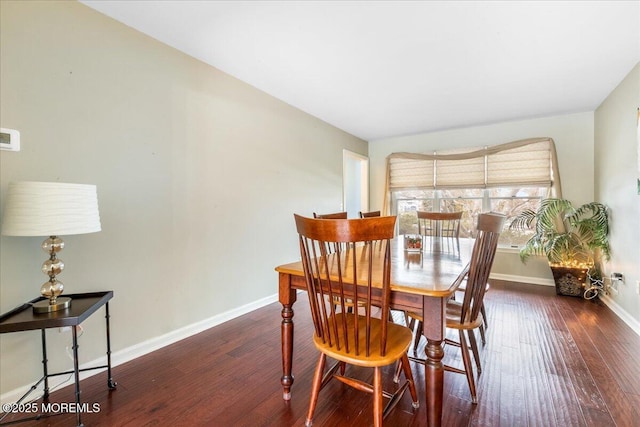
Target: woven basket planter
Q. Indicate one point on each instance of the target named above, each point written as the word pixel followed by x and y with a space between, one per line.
pixel 569 281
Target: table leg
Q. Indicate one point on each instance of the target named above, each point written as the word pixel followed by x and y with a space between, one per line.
pixel 110 382
pixel 434 331
pixel 76 371
pixel 287 298
pixel 44 365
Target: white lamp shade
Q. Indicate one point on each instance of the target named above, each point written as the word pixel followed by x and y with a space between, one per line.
pixel 50 209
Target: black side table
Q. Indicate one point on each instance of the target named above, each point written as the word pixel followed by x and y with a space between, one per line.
pixel 82 306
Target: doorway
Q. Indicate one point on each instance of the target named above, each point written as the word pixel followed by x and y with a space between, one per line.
pixel 355 183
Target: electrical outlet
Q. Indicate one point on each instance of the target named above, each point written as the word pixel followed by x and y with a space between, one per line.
pixel 617 277
pixel 64 329
pixel 638 287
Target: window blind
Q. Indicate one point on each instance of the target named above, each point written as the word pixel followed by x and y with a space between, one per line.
pixel 528 162
pixel 454 172
pixel 413 173
pixel 526 165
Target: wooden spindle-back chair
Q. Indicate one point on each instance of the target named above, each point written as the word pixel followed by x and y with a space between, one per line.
pixel 443 226
pixel 468 314
pixel 352 273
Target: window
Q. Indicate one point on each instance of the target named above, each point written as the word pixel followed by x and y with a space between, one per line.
pixel 511 201
pixel 508 200
pixel 505 178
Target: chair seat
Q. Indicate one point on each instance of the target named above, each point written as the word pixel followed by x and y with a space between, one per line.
pixel 463 287
pixel 398 341
pixel 454 311
pixel 485 322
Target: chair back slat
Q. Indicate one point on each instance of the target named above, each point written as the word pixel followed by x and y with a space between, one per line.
pixel 484 250
pixel 345 276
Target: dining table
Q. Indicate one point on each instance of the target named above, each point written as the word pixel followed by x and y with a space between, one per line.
pixel 422 281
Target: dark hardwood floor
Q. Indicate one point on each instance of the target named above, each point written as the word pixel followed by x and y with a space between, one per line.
pixel 548 361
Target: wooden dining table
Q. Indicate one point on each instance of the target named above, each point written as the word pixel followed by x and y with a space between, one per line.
pixel 421 281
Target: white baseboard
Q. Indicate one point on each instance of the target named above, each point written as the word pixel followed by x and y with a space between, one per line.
pixel 127 354
pixel 621 313
pixel 523 279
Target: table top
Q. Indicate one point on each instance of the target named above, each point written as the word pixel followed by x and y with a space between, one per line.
pixel 23 318
pixel 431 272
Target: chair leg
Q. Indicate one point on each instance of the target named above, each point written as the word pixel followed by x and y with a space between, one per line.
pixel 417 337
pixel 377 397
pixel 396 375
pixel 485 319
pixel 315 388
pixel 474 349
pixel 343 367
pixel 404 363
pixel 466 360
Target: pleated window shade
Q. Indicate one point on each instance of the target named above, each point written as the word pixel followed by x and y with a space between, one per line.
pixel 530 162
pixel 460 172
pixel 527 165
pixel 411 173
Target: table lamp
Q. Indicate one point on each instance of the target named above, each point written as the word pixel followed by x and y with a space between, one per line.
pixel 50 209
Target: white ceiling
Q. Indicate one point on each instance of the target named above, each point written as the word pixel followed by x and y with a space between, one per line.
pixel 388 68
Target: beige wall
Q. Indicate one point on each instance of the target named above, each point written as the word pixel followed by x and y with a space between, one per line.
pixel 616 171
pixel 198 176
pixel 572 133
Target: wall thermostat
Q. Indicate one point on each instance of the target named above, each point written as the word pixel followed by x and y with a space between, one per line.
pixel 9 139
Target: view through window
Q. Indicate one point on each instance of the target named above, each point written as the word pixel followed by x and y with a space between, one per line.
pixel 509 201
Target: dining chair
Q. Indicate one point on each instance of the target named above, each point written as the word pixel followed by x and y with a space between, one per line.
pixel 369 214
pixel 352 338
pixel 443 226
pixel 466 315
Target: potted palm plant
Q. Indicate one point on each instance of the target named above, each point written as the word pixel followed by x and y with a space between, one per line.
pixel 573 240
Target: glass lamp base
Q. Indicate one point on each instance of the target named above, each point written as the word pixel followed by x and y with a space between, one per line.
pixel 45 306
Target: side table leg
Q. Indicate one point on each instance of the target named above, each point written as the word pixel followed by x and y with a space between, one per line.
pixel 76 371
pixel 110 382
pixel 44 365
